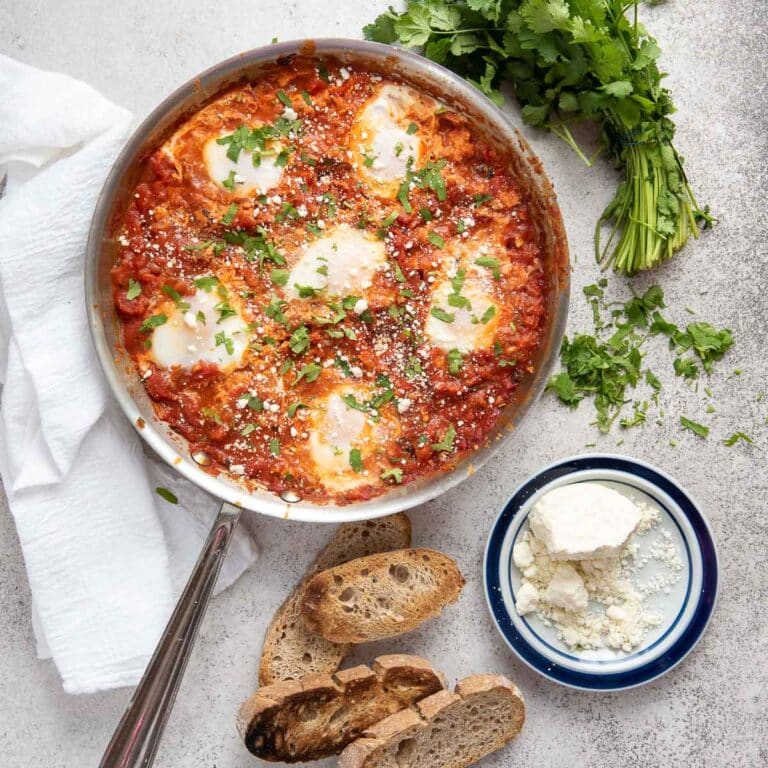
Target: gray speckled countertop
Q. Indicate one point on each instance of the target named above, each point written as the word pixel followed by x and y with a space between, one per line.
pixel 710 711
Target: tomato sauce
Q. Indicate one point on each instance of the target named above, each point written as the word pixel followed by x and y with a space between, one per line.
pixel 259 417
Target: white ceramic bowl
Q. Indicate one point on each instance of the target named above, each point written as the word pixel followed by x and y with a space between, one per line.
pixel 686 607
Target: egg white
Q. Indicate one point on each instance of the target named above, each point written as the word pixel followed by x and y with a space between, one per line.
pixel 248 177
pixel 347 260
pixel 336 429
pixel 466 333
pixel 185 339
pixel 380 136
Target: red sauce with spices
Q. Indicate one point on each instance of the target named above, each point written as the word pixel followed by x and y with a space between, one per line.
pixel 334 395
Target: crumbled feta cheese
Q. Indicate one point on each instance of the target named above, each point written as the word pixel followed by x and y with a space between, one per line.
pixel 360 306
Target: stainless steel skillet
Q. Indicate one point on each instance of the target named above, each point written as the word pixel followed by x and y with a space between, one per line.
pixel 137 736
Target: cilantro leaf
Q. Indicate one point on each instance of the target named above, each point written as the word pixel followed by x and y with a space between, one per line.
pixel 698 429
pixel 169 496
pixel 735 437
pixel 446 443
pixel 134 289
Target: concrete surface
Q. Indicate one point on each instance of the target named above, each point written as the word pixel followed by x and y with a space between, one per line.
pixel 708 712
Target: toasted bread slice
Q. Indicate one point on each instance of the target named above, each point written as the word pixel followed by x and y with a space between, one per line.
pixel 445 730
pixel 290 650
pixel 380 596
pixel 318 715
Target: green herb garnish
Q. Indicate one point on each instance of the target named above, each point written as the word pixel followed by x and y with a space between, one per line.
pixel 134 289
pixel 446 443
pixel 169 496
pixel 155 321
pixel 356 460
pixel 229 214
pixel 394 473
pixel 698 429
pixel 435 239
pixel 441 314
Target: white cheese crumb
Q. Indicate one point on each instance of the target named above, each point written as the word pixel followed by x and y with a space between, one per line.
pixel 360 306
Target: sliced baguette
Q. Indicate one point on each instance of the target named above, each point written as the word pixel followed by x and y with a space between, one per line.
pixel 380 596
pixel 290 650
pixel 445 730
pixel 319 715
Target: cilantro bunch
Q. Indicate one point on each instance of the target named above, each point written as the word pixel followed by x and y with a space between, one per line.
pixel 570 61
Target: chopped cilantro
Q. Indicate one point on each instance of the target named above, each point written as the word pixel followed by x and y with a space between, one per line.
pixel 247 429
pixel 435 239
pixel 229 214
pixel 309 372
pixel 284 98
pixel 446 443
pixel 279 276
pixel 394 473
pixel 274 446
pixel 441 314
pixel 134 289
pixel 455 361
pixel 209 413
pixel 274 310
pixel 293 407
pixel 225 310
pixel 206 283
pixel 411 129
pixel 299 341
pixel 282 158
pixel 698 429
pixel 488 314
pixel 356 460
pixel 164 493
pixel 175 296
pixel 480 199
pixel 254 403
pixel 491 263
pixel 229 182
pixel 154 321
pixel 222 339
pixel 735 437
pixel 413 367
pixel 306 291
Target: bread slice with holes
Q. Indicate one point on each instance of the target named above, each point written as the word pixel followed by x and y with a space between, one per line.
pixel 318 715
pixel 380 595
pixel 290 650
pixel 445 730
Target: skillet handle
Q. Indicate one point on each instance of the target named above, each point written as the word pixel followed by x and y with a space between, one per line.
pixel 137 737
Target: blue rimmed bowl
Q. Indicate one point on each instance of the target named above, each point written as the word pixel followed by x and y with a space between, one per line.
pixel 685 606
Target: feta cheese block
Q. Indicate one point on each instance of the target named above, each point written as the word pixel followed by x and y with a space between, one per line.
pixel 583 521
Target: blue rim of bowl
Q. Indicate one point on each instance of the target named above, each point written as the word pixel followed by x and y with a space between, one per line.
pixel 598 681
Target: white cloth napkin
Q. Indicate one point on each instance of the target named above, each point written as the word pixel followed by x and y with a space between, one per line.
pixel 106 556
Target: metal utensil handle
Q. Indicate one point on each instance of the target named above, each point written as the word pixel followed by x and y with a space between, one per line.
pixel 137 736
